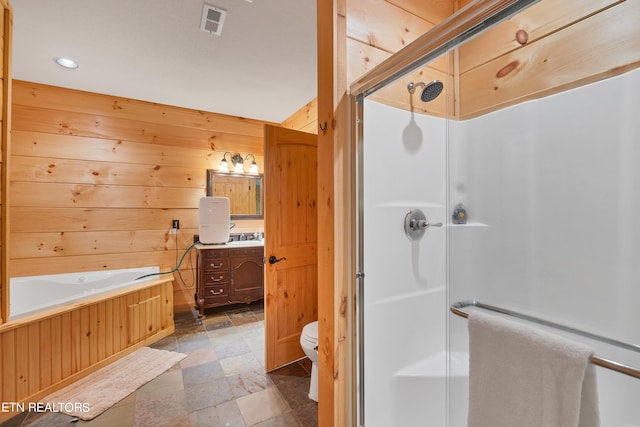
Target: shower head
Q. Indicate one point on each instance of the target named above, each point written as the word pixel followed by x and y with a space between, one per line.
pixel 430 91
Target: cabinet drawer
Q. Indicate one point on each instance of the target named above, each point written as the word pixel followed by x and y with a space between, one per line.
pixel 215 278
pixel 246 251
pixel 215 291
pixel 214 253
pixel 212 265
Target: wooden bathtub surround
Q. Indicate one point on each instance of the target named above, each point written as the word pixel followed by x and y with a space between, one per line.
pixel 46 351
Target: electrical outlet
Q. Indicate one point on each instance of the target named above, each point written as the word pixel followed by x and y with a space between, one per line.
pixel 175 224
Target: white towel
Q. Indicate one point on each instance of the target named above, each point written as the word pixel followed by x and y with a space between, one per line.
pixel 525 377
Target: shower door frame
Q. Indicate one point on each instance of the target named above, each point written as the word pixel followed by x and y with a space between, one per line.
pixel 468 22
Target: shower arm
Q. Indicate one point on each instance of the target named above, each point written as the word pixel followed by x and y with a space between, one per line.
pixel 411 86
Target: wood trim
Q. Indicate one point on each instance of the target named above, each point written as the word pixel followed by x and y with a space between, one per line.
pixel 327 55
pixel 5 143
pixel 335 210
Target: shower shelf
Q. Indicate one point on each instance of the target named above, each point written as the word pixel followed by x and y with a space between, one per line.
pixel 605 363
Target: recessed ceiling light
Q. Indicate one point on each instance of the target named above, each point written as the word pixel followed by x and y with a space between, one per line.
pixel 67 63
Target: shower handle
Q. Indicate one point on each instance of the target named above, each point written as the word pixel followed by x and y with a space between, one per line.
pixel 422 224
pixel 415 224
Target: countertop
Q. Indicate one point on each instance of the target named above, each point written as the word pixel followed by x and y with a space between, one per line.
pixel 235 244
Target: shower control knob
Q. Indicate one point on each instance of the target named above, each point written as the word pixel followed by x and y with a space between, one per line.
pixel 415 224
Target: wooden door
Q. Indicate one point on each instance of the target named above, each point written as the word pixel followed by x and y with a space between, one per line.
pixel 291 290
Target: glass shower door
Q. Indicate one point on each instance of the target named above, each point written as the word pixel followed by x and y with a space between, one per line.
pixel 537 141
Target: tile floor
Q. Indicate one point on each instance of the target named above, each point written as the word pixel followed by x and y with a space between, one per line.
pixel 221 382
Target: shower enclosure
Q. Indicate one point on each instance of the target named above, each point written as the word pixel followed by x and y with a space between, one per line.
pixel 535 135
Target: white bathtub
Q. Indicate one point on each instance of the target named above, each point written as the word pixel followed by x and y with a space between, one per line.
pixel 32 294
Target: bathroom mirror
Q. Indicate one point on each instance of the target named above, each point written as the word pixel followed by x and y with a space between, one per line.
pixel 245 192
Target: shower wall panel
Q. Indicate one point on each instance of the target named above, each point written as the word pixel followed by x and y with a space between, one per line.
pixel 552 187
pixel 404 288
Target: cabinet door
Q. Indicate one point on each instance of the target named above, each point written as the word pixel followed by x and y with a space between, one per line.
pixel 247 274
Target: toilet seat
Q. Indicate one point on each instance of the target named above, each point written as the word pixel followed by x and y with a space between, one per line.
pixel 309 344
pixel 310 333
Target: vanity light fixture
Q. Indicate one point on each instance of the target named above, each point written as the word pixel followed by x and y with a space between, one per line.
pixel 66 63
pixel 224 165
pixel 238 163
pixel 254 166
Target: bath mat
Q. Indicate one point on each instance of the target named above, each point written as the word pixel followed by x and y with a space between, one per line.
pixel 92 395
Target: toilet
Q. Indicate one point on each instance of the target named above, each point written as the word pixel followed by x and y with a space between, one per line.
pixel 309 343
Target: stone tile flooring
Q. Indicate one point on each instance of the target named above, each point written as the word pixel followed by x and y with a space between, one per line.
pixel 221 382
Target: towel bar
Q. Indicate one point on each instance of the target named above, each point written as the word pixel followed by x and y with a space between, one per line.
pixel 605 363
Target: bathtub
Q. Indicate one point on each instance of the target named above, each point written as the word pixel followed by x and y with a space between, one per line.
pixel 63 327
pixel 33 294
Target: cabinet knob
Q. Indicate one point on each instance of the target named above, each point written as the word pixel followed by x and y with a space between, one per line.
pixel 217 293
pixel 218 279
pixel 213 265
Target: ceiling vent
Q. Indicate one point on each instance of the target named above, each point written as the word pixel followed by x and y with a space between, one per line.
pixel 212 19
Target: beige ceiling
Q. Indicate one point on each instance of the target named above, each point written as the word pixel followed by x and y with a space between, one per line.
pixel 263 66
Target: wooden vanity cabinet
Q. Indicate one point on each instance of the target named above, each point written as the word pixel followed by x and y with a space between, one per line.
pixel 229 275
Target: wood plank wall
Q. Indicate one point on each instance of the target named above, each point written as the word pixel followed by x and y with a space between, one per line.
pixel 549 48
pixel 6 28
pixel 375 31
pixel 43 353
pixel 96 179
pixel 305 119
pixel 378 29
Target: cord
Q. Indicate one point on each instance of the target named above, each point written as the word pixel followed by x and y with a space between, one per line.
pixel 177 266
pixel 190 267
